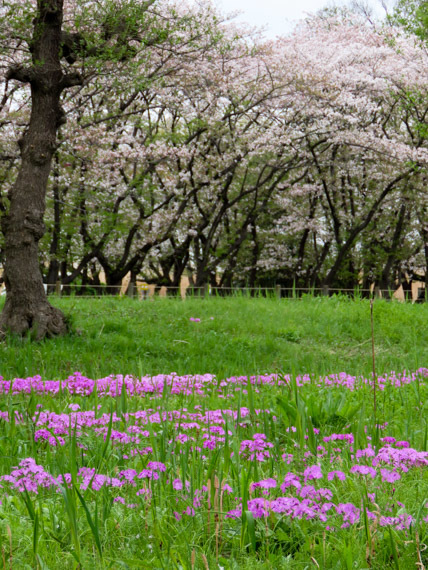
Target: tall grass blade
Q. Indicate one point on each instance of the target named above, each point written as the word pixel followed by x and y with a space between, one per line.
pixel 93 525
pixel 251 528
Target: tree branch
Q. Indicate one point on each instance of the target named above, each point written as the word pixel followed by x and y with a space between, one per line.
pixel 71 80
pixel 20 73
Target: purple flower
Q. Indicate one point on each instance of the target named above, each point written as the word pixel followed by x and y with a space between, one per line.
pixel 324 494
pixel 305 509
pixel 389 476
pixel 234 513
pixel 264 484
pixel 156 465
pixel 148 474
pixel 257 448
pixel 307 491
pixel 291 480
pixel 287 457
pixel 350 512
pixel 363 470
pixel 339 474
pixel 388 439
pixel 313 472
pixel 401 522
pixel 128 474
pixel 284 505
pixel 189 511
pixel 259 508
pixel 367 452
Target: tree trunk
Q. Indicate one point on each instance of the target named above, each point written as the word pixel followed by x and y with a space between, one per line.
pixel 26 308
pixel 53 271
pixel 386 285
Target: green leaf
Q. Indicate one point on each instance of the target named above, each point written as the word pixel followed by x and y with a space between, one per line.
pixel 251 528
pixel 92 524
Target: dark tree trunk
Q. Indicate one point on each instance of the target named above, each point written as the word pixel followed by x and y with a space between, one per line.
pixel 255 255
pixel 424 234
pixel 386 283
pixel 26 308
pixel 53 271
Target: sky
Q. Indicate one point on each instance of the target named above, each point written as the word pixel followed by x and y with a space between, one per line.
pixel 278 16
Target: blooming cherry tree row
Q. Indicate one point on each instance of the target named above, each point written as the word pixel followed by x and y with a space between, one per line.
pixel 236 160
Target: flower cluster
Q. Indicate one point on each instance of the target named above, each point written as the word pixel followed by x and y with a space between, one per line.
pixel 276 471
pixel 200 384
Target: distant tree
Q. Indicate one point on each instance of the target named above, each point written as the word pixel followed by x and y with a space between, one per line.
pixel 301 160
pixel 364 135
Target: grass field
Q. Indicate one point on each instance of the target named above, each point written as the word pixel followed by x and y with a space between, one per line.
pixel 235 336
pixel 217 433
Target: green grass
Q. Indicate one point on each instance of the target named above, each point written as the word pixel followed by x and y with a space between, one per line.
pixel 315 335
pixel 83 528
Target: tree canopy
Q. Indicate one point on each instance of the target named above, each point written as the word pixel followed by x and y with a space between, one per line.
pixel 187 145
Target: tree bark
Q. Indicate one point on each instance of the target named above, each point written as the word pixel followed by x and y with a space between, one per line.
pixel 27 309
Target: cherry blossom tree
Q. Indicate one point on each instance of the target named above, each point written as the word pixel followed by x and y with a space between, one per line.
pixel 367 145
pixel 301 160
pixel 51 47
pixel 164 164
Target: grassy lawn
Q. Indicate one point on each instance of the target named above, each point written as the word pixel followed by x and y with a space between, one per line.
pixel 263 451
pixel 235 336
